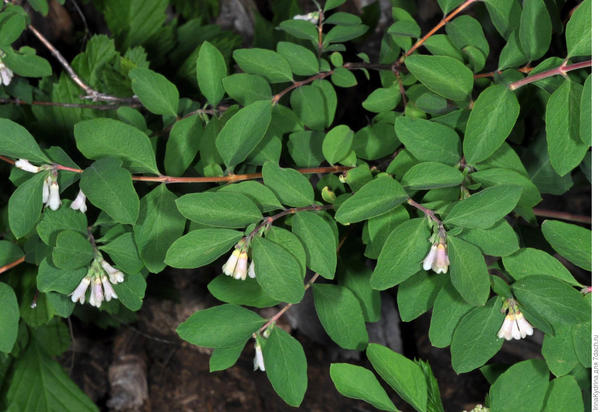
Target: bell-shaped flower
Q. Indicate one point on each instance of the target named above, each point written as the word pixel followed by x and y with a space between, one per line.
pixel 53 196
pixel 79 202
pixel 96 295
pixel 251 271
pixel 241 267
pixel 46 190
pixel 259 361
pixel 25 165
pixel 229 266
pixel 109 292
pixel 6 74
pixel 506 329
pixel 79 293
pixel 437 258
pixel 115 275
pixel 525 328
pixel 312 17
pixel 515 326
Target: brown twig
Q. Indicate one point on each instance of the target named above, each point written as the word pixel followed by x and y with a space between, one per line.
pixel 563 216
pixel 525 69
pixel 267 221
pixel 11 265
pixel 563 69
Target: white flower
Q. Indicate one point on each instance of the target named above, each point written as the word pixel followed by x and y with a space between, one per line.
pixel 259 362
pixel 79 202
pixel 6 74
pixel 506 329
pixel 96 295
pixel 241 268
pixel 54 196
pixel 24 164
pixel 515 326
pixel 109 292
pixel 525 327
pixel 79 293
pixel 437 259
pixel 251 272
pixel 115 275
pixel 46 190
pixel 229 266
pixel 312 17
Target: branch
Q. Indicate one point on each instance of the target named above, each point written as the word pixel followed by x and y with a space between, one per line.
pixel 563 69
pixel 111 106
pixel 91 93
pixel 525 69
pixel 12 264
pixel 267 221
pixel 563 216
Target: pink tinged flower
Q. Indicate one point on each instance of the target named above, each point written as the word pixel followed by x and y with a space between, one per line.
pixel 79 202
pixel 241 268
pixel 115 275
pixel 79 293
pixel 506 330
pixel 54 196
pixel 96 296
pixel 6 74
pixel 251 272
pixel 441 261
pixel 109 292
pixel 428 262
pixel 24 164
pixel 525 328
pixel 259 361
pixel 46 190
pixel 229 266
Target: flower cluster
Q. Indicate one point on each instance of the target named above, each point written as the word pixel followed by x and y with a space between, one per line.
pixel 6 74
pixel 312 17
pixel 50 189
pixel 237 264
pixel 515 326
pixel 101 288
pixel 437 258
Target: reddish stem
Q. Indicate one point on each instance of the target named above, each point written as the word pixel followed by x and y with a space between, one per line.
pixel 525 69
pixel 563 69
pixel 12 264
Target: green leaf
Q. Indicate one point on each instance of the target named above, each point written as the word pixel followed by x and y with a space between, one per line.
pixel 9 318
pixel 319 241
pixel 300 29
pixel 200 247
pixel 375 198
pixel 155 91
pixel 562 128
pixel 25 204
pixel 402 374
pixel 474 341
pixel 337 143
pixel 375 141
pixel 109 187
pixel 310 104
pixel 570 241
pixel 448 309
pixel 158 226
pixel 468 271
pixel 221 209
pixel 541 172
pixel 277 271
pixel 530 195
pixel 210 70
pixel 428 141
pixel 523 380
pixel 289 185
pixel 41 381
pixel 264 197
pixel 535 30
pixel 131 292
pixel 247 293
pixel 494 115
pixel 529 261
pixel 286 367
pixel 505 15
pixel 11 27
pixel 290 242
pixel 55 221
pixel 355 275
pixel 448 5
pixel 511 55
pixel 26 64
pixel 243 132
pixel 402 254
pixel 431 175
pixel 382 99
pixel 220 326
pixel 585 116
pixel 417 294
pixel 302 61
pixel 183 145
pixel 17 142
pixel 564 394
pixel 499 240
pixel 73 250
pixel 582 340
pixel 247 88
pixel 341 316
pixel 442 75
pixel 265 62
pixel 339 34
pixel 579 31
pixel 559 352
pixel 356 382
pixel 553 299
pixel 343 77
pixel 123 251
pixel 9 252
pixel 439 44
pixel 332 4
pixel 98 138
pixel 225 358
pixel 485 208
pixel 465 31
pixel 53 279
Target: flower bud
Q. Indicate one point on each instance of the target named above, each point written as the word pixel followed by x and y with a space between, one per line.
pixel 6 74
pixel 54 196
pixel 229 266
pixel 46 190
pixel 96 295
pixel 79 202
pixel 115 275
pixel 109 292
pixel 251 272
pixel 79 293
pixel 24 164
pixel 241 268
pixel 259 361
pixel 441 261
